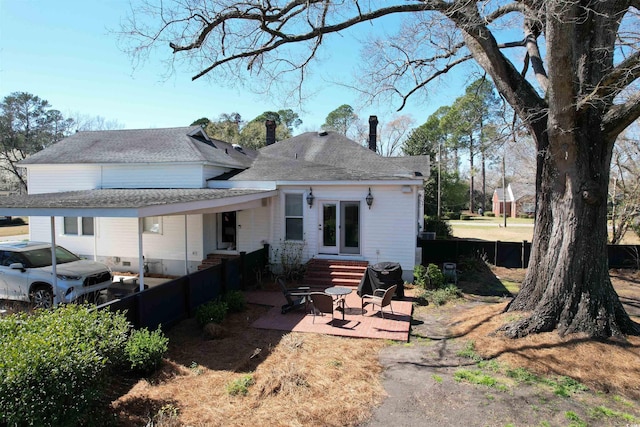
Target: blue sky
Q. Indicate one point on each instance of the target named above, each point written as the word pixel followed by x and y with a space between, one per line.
pixel 63 51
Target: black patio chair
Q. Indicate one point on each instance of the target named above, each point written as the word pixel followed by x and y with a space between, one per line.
pixel 322 303
pixel 296 297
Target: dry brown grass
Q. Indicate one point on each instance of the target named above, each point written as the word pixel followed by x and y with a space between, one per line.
pixel 602 366
pixel 299 379
pixel 14 231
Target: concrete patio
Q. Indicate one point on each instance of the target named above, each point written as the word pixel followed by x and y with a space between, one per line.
pixel 356 324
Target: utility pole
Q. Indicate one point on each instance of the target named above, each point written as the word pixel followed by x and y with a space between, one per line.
pixel 439 188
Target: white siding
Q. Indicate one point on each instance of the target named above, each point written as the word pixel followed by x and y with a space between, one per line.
pixel 388 230
pixel 117 242
pixel 211 172
pixel 152 176
pixel 253 227
pixel 54 179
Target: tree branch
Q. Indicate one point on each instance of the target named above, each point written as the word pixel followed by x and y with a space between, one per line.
pixel 620 116
pixel 280 38
pixel 614 82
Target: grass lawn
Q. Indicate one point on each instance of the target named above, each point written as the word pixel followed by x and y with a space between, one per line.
pixel 517 230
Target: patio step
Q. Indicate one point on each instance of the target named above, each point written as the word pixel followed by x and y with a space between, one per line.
pixel 326 273
pixel 214 259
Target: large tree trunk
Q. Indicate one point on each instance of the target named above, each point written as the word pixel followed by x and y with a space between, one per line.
pixel 567 285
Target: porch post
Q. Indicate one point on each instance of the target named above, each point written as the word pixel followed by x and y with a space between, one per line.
pixel 186 248
pixel 140 254
pixel 54 262
pixel 95 240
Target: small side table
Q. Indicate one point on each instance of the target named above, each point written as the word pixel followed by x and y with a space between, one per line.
pixel 340 293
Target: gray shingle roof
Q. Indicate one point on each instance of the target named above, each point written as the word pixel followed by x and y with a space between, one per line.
pixel 168 145
pixel 328 156
pixel 120 198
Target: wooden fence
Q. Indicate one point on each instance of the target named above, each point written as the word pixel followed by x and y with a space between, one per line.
pixel 510 254
pixel 176 300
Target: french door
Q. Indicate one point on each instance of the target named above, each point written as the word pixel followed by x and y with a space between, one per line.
pixel 339 227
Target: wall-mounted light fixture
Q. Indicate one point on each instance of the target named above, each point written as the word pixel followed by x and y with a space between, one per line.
pixel 310 198
pixel 369 198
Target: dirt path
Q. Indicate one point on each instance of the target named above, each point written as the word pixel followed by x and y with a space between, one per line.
pixel 420 379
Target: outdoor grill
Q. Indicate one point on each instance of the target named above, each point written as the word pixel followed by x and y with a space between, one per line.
pixel 382 276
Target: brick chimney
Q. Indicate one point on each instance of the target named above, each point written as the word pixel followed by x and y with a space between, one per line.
pixel 373 137
pixel 271 131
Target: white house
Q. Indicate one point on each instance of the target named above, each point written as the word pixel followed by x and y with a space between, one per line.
pixel 166 198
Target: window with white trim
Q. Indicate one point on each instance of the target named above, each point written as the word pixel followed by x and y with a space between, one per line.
pixel 293 209
pixel 152 224
pixel 78 225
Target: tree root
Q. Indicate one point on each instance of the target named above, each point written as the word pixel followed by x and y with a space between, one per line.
pixel 536 323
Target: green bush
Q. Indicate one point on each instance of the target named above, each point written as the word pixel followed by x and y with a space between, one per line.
pixel 240 385
pixel 420 277
pixel 145 350
pixel 436 277
pixel 236 301
pixel 465 217
pixel 454 215
pixel 211 312
pixel 491 214
pixel 440 226
pixel 54 364
pixel 441 296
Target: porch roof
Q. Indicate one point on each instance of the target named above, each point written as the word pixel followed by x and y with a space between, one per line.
pixel 132 203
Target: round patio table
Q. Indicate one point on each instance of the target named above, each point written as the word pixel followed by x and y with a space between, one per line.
pixel 339 293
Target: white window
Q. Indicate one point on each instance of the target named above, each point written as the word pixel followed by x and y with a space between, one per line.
pixel 153 224
pixel 293 217
pixel 78 226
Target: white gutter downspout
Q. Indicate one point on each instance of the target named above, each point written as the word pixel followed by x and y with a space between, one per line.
pixel 54 269
pixel 140 255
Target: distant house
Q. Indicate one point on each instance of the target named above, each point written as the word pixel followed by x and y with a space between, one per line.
pixel 520 200
pixel 167 198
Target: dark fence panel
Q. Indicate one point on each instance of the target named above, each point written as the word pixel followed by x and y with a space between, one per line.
pixel 439 251
pixel 510 254
pixel 232 274
pixel 252 264
pixel 624 256
pixel 165 304
pixel 170 302
pixel 127 306
pixel 204 286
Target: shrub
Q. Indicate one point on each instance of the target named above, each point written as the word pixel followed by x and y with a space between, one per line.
pixel 439 225
pixel 442 295
pixel 236 301
pixel 436 278
pixel 240 385
pixel 454 215
pixel 465 217
pixel 491 214
pixel 145 350
pixel 54 364
pixel 420 277
pixel 211 312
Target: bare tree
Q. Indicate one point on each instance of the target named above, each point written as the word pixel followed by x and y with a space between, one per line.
pixel 574 105
pixel 86 122
pixel 393 134
pixel 624 191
